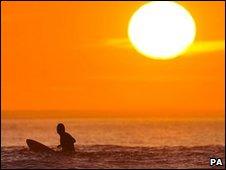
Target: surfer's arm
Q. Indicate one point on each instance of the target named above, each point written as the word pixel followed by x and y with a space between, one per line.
pixel 73 139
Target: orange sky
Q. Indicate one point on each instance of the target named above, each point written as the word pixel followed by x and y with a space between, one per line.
pixel 56 56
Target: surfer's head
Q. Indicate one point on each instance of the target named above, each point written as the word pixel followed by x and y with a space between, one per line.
pixel 60 128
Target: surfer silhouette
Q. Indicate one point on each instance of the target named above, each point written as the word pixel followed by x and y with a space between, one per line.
pixel 66 140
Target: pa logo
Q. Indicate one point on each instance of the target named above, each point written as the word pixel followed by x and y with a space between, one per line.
pixel 216 162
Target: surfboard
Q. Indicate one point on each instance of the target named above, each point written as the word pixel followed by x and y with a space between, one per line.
pixel 38 147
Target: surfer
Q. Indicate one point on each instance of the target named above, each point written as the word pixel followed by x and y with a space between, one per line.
pixel 66 140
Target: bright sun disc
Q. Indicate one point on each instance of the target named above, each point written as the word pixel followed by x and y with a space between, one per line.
pixel 161 30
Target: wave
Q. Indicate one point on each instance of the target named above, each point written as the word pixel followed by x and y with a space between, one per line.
pixel 113 156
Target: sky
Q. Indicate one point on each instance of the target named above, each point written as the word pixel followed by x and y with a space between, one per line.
pixel 77 56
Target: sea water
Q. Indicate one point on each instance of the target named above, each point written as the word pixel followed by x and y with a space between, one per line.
pixel 115 143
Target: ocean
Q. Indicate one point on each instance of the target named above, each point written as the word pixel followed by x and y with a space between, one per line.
pixel 115 143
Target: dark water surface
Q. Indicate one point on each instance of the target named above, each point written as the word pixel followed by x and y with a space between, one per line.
pixel 110 156
pixel 115 143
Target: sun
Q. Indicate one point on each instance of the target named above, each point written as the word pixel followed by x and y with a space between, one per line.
pixel 161 30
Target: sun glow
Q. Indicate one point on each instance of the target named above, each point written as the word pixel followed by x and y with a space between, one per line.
pixel 161 30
